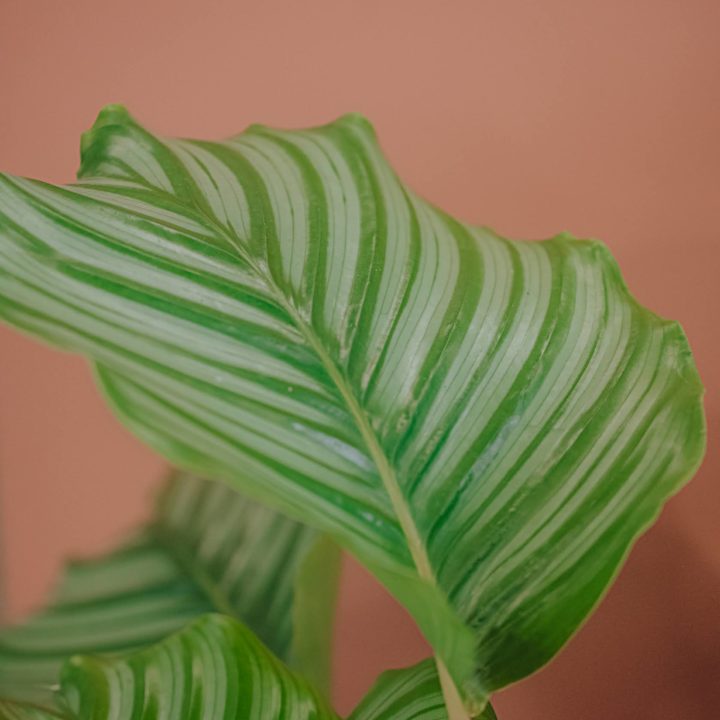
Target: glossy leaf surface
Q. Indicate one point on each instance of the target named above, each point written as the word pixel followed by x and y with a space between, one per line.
pixel 486 424
pixel 207 550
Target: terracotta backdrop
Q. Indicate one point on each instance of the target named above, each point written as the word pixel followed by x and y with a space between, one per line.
pixel 601 118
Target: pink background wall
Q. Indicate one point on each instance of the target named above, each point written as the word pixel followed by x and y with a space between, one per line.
pixel 601 118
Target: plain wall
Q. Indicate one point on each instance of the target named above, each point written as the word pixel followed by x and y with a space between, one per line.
pixel 601 118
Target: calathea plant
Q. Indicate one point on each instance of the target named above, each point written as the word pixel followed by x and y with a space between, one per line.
pixel 487 425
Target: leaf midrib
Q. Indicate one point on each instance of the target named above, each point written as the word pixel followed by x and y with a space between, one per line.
pixel 453 702
pixel 386 473
pixel 385 470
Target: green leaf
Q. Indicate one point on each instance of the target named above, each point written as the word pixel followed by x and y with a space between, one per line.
pixel 10 710
pixel 486 424
pixel 410 694
pixel 207 549
pixel 214 669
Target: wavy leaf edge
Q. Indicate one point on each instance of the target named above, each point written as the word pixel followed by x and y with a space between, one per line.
pixel 439 619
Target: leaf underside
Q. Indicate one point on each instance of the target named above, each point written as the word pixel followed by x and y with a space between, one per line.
pixel 486 424
pixel 206 550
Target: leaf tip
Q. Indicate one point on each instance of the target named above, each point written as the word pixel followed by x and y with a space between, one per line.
pixel 354 123
pixel 113 114
pixel 357 120
pixel 111 117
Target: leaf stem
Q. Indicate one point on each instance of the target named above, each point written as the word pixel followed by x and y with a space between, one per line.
pixel 453 702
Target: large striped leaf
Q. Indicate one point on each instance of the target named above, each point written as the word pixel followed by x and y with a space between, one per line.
pixel 410 694
pixel 486 424
pixel 206 550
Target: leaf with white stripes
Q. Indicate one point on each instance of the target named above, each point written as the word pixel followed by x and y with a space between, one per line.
pixel 412 693
pixel 10 710
pixel 486 424
pixel 214 669
pixel 236 678
pixel 207 549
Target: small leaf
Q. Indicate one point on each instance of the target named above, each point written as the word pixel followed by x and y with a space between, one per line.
pixel 214 669
pixel 208 549
pixel 486 424
pixel 410 694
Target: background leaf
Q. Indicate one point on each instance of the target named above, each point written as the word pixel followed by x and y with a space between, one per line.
pixel 10 710
pixel 486 424
pixel 208 549
pixel 215 669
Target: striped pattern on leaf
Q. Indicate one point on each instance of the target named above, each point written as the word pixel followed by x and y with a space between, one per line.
pixel 409 694
pixel 24 711
pixel 207 550
pixel 215 669
pixel 486 424
pixel 239 676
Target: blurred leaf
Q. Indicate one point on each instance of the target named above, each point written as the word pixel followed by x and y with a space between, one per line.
pixel 207 550
pixel 486 424
pixel 214 669
pixel 10 710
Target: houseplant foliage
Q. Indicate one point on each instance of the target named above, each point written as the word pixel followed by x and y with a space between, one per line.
pixel 182 620
pixel 206 550
pixel 486 424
